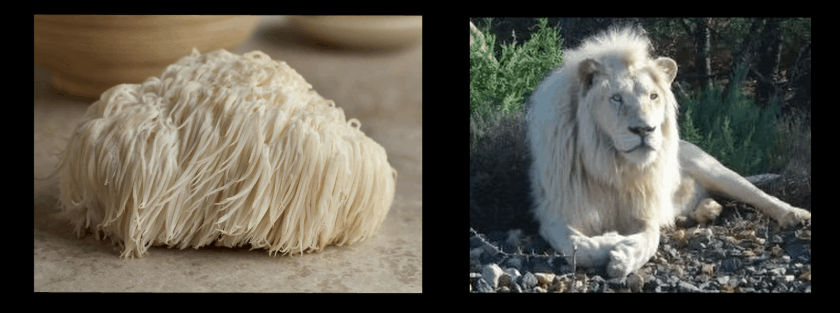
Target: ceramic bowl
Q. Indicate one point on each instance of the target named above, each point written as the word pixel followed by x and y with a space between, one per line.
pixel 89 54
pixel 366 32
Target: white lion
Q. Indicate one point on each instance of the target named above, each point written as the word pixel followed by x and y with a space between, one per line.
pixel 609 168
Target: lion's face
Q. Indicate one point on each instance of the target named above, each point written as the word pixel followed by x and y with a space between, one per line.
pixel 630 110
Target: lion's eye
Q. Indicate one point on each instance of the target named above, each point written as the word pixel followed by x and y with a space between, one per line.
pixel 653 96
pixel 616 98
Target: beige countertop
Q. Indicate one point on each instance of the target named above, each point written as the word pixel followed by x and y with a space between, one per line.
pixel 381 89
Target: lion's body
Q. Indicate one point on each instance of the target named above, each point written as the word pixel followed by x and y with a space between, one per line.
pixel 608 166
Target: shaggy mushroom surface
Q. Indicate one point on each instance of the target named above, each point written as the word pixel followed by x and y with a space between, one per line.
pixel 226 149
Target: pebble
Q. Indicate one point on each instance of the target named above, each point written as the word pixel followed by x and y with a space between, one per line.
pixel 491 274
pixel 754 257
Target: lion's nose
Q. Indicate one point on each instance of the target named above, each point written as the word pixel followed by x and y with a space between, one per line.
pixel 642 131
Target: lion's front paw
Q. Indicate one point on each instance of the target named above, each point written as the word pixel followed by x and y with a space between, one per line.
pixel 622 262
pixel 794 217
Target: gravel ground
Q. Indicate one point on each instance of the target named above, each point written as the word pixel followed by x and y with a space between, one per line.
pixel 740 251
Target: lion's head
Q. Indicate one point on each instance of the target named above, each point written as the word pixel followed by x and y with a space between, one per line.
pixel 602 127
pixel 630 104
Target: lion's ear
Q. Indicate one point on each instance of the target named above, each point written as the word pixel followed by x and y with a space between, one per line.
pixel 668 67
pixel 586 70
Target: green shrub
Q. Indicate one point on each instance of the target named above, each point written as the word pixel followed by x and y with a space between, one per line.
pixel 733 130
pixel 518 71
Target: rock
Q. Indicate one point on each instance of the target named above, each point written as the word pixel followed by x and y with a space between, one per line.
pixel 544 279
pixel 509 277
pixel 730 265
pixel 483 286
pixel 560 285
pixel 617 283
pixel 635 282
pixel 491 273
pixel 529 281
pixel 763 180
pixel 685 286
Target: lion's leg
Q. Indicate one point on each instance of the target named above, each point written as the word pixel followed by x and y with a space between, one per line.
pixel 585 251
pixel 620 254
pixel 692 200
pixel 713 176
pixel 633 252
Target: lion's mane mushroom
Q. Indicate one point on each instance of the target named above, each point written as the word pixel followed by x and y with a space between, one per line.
pixel 228 149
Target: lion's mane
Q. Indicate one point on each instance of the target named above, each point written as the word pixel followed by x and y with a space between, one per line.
pixel 577 175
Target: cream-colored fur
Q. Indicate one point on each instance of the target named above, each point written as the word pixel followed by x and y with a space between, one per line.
pixel 609 168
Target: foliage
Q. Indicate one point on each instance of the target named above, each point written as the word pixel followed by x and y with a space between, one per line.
pixel 733 130
pixel 518 71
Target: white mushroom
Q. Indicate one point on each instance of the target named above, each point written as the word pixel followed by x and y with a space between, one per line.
pixel 228 149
